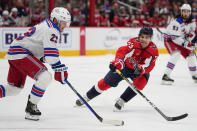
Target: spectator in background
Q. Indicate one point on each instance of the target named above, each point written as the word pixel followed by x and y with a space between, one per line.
pixel 1 10
pixel 35 19
pixel 176 6
pixel 194 9
pixel 69 8
pixel 145 21
pixel 169 18
pixel 164 8
pixel 22 13
pixel 76 17
pixel 14 16
pixel 154 21
pixel 5 20
pixel 123 13
pixel 104 19
pixel 162 20
pixel 115 22
pixel 195 14
pixel 113 11
pixel 83 13
pixel 97 17
pixel 136 21
pixel 107 7
pixel 21 9
pixel 38 14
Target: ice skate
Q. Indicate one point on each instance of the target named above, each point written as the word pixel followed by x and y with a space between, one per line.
pixel 166 80
pixel 194 78
pixel 119 104
pixel 32 112
pixel 79 102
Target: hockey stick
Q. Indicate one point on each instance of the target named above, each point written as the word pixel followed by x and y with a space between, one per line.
pixel 104 121
pixel 159 30
pixel 154 106
pixel 185 38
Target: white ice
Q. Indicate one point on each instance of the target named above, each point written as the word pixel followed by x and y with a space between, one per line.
pixel 59 113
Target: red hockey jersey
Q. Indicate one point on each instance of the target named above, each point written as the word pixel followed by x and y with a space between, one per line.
pixel 134 52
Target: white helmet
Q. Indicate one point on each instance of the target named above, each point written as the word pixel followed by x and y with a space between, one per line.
pixel 61 14
pixel 14 9
pixel 186 7
pixel 5 12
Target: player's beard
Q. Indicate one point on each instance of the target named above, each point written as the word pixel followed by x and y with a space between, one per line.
pixel 185 17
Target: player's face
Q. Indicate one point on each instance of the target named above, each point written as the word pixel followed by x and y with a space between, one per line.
pixel 144 40
pixel 62 25
pixel 185 14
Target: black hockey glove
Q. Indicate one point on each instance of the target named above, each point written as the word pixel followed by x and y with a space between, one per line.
pixel 138 71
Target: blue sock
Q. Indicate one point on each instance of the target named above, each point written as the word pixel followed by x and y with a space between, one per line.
pixel 128 94
pixel 92 93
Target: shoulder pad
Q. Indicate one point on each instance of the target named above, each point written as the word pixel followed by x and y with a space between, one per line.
pixel 179 20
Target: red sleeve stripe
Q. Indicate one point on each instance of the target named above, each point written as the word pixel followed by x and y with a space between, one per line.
pixel 51 52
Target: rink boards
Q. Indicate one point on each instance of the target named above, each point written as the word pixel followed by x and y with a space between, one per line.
pixel 78 41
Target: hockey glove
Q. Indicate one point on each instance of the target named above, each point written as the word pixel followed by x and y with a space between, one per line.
pixel 61 73
pixel 188 45
pixel 116 64
pixel 138 71
pixel 191 46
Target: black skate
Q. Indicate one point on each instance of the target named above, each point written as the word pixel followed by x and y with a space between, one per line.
pixel 119 104
pixel 32 112
pixel 166 80
pixel 194 78
pixel 79 102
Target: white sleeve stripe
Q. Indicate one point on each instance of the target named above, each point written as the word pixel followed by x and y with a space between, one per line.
pixel 147 62
pixel 129 54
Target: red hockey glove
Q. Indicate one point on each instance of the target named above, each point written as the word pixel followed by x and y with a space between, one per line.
pixel 188 45
pixel 116 64
pixel 61 73
pixel 191 46
pixel 138 71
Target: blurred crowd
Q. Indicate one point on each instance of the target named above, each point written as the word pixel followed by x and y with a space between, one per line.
pixel 108 13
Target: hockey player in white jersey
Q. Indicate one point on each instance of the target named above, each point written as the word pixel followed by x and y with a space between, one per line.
pixel 180 39
pixel 25 57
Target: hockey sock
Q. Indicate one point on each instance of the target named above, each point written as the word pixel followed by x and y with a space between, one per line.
pixel 9 90
pixel 36 94
pixel 171 63
pixel 2 91
pixel 128 94
pixel 191 61
pixel 40 86
pixel 92 93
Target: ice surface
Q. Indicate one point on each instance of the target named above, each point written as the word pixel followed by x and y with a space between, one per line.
pixel 59 113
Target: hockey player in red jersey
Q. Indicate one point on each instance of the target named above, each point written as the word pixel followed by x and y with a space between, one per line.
pixel 25 57
pixel 135 61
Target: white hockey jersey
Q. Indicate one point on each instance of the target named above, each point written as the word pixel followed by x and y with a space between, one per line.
pixel 178 31
pixel 38 41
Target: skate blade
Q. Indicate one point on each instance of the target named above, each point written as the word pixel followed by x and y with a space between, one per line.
pixel 32 117
pixel 76 106
pixel 116 110
pixel 166 83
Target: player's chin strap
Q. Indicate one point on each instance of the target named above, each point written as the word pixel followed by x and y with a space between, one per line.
pixel 104 121
pixel 154 106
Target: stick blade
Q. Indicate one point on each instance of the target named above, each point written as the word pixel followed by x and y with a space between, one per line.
pixel 178 117
pixel 113 122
